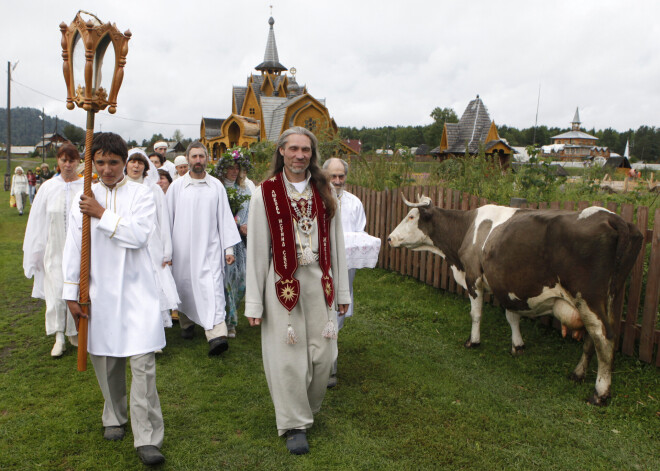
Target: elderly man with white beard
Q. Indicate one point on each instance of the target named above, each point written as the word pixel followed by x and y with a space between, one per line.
pixel 353 219
pixel 203 236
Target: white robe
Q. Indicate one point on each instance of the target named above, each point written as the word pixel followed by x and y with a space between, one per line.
pixel 170 167
pixel 43 246
pixel 353 219
pixel 202 229
pixel 125 317
pixel 160 250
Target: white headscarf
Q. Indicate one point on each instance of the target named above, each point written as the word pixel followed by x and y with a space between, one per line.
pixel 152 172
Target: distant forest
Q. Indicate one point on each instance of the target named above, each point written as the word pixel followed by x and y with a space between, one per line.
pixel 644 142
pixel 26 128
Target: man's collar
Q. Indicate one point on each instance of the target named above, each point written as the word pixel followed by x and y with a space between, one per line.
pixel 188 180
pixel 120 183
pixel 308 175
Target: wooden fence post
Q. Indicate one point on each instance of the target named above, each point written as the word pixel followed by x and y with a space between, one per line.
pixel 646 339
pixel 635 288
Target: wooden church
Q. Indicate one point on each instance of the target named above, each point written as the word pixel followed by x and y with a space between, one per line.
pixel 270 103
pixel 475 129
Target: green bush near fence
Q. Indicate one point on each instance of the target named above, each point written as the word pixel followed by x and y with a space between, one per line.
pixel 479 175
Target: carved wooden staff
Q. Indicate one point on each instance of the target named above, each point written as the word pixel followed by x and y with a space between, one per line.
pixel 85 247
pixel 87 31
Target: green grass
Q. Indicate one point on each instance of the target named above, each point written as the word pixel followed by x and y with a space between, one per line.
pixel 410 396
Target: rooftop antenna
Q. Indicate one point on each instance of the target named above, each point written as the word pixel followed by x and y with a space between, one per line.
pixel 536 121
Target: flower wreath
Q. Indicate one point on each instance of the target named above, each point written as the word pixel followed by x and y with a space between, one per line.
pixel 233 156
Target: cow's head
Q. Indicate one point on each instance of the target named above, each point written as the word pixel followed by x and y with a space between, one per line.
pixel 407 233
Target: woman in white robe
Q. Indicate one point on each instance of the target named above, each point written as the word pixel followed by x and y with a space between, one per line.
pixel 141 170
pixel 19 188
pixel 44 243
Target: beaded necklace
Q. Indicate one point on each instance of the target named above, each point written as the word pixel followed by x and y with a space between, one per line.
pixel 302 207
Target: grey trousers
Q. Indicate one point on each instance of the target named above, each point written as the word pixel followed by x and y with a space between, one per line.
pixel 146 416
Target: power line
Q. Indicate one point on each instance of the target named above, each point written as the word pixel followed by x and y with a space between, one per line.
pixel 111 115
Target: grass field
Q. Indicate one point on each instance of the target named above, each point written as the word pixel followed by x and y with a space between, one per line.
pixel 409 395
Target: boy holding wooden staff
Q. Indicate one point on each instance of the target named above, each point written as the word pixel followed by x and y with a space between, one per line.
pixel 124 319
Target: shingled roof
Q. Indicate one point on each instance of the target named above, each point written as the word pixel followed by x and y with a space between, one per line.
pixel 239 97
pixel 471 129
pixel 271 59
pixel 212 127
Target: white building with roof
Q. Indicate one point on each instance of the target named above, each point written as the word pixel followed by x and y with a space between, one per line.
pixel 575 145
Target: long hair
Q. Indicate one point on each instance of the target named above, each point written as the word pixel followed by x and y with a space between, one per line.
pixel 319 177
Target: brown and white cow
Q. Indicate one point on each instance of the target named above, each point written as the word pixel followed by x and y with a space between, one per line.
pixel 535 262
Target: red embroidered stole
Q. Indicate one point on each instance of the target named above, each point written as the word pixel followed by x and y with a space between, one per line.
pixel 283 241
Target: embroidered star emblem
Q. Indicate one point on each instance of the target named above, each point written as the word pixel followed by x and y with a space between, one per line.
pixel 288 293
pixel 328 288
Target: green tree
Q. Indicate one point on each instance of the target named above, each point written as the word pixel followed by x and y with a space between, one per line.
pixel 177 136
pixel 440 116
pixel 155 138
pixel 74 134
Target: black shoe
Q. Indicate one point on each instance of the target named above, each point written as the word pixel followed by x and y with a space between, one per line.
pixel 296 442
pixel 218 345
pixel 188 333
pixel 150 455
pixel 332 381
pixel 114 433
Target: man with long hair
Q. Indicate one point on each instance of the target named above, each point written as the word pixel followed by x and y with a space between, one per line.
pixel 296 282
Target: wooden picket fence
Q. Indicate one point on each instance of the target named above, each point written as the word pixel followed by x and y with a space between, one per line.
pixel 637 331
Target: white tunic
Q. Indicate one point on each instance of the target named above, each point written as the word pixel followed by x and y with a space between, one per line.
pixel 19 184
pixel 202 229
pixel 124 316
pixel 353 218
pixel 43 246
pixel 170 167
pixel 160 249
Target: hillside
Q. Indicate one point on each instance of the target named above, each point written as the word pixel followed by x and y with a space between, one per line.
pixel 26 126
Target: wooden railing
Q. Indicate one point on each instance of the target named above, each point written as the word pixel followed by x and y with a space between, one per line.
pixel 636 328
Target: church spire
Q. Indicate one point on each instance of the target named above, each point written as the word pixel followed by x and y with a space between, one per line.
pixel 271 63
pixel 576 121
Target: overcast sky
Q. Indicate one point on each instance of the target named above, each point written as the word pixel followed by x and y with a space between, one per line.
pixel 376 62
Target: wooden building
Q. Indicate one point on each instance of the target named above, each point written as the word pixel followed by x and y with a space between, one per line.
pixel 474 130
pixel 575 145
pixel 269 103
pixel 51 141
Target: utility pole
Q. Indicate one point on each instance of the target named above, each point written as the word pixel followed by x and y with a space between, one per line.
pixel 536 121
pixel 8 173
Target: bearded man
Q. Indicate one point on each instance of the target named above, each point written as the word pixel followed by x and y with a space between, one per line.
pixel 297 282
pixel 203 236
